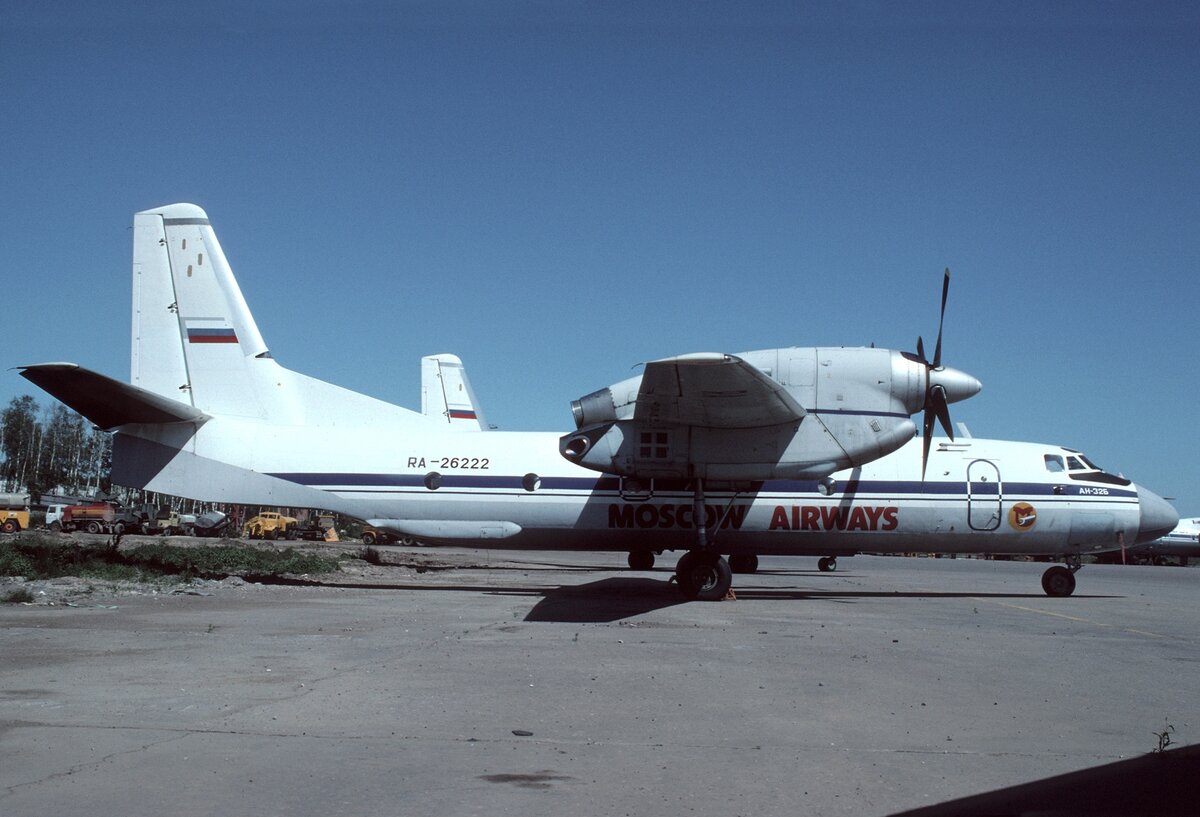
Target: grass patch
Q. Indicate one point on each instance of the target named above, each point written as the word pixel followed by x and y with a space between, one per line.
pixel 21 596
pixel 36 557
pixel 220 561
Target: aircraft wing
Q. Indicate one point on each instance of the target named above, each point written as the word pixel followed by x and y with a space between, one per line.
pixel 712 390
pixel 106 402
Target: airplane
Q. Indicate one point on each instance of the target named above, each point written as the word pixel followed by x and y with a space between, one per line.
pixel 801 451
pixel 1182 543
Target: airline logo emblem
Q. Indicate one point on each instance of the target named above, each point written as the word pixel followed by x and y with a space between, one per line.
pixel 1022 516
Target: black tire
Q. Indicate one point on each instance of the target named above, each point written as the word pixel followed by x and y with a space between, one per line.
pixel 641 560
pixel 368 538
pixel 56 526
pixel 11 526
pixel 1058 581
pixel 93 527
pixel 704 576
pixel 743 563
pixel 827 564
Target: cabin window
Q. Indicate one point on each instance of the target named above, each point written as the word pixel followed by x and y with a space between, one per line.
pixel 1054 464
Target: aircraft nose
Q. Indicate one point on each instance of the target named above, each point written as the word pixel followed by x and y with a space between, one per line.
pixel 1158 518
pixel 958 385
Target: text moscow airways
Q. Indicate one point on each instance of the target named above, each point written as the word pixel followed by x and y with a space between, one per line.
pixel 795 517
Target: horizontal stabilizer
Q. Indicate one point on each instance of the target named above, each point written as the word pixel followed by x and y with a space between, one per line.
pixel 106 402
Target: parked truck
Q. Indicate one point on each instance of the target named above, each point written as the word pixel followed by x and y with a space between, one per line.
pixel 268 525
pixel 93 517
pixel 319 528
pixel 164 521
pixel 14 512
pixel 210 523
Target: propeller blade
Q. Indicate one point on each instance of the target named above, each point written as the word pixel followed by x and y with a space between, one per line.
pixel 939 406
pixel 926 438
pixel 921 350
pixel 937 351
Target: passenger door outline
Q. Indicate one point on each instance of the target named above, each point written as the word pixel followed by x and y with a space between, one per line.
pixel 985 495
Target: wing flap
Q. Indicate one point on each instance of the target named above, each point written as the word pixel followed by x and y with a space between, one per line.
pixel 106 402
pixel 712 390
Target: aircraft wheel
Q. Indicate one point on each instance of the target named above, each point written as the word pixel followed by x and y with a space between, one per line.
pixel 703 576
pixel 827 564
pixel 1058 581
pixel 641 560
pixel 743 563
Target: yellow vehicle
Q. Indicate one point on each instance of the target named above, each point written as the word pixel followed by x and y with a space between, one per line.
pixel 268 525
pixel 14 521
pixel 374 536
pixel 14 512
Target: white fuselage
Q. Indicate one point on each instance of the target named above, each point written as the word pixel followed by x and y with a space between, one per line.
pixel 513 490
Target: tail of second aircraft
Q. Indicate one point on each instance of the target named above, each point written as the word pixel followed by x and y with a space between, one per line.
pixel 195 341
pixel 447 396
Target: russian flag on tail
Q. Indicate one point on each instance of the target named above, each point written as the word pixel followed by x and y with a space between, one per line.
pixel 206 332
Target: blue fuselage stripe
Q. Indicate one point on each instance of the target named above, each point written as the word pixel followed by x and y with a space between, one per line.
pixel 609 484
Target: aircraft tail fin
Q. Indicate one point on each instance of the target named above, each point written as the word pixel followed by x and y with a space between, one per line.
pixel 446 394
pixel 195 341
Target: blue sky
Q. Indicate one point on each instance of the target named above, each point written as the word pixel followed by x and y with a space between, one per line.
pixel 557 191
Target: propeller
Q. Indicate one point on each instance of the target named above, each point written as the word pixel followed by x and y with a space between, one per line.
pixel 936 404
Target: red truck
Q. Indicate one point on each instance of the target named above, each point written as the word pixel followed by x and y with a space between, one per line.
pixel 94 517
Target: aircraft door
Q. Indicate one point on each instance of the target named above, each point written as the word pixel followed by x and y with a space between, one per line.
pixel 984 495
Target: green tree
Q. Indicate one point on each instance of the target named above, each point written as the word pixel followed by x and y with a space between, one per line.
pixel 21 442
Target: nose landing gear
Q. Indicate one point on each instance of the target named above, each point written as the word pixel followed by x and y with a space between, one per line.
pixel 1060 579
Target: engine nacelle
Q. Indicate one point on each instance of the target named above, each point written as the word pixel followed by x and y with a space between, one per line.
pixel 848 406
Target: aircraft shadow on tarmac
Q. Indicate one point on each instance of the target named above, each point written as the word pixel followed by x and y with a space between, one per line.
pixel 620 597
pixel 617 598
pixel 1166 784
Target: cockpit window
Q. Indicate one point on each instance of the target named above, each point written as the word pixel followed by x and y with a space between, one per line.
pixel 1054 464
pixel 1084 470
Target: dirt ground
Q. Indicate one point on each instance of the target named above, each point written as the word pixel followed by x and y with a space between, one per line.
pixel 357 565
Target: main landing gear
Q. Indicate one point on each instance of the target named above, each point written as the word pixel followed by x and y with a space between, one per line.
pixel 827 564
pixel 1060 579
pixel 702 573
